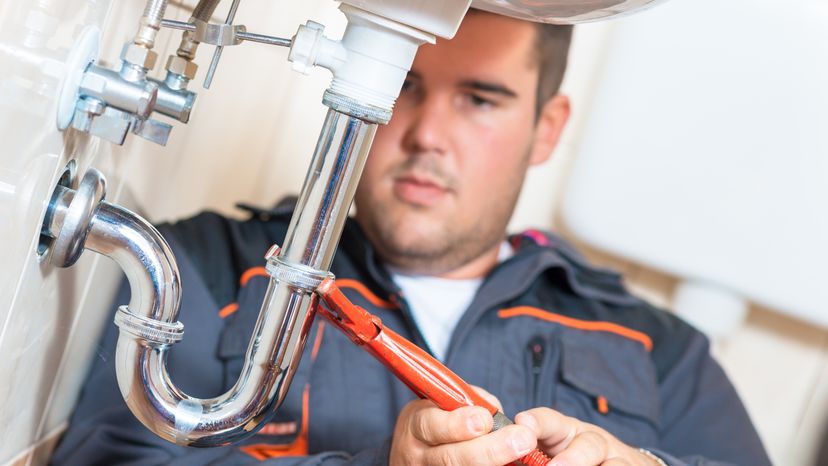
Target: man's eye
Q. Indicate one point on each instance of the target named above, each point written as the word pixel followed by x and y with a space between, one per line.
pixel 407 85
pixel 479 101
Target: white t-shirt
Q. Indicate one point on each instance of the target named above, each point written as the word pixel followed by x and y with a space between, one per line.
pixel 437 304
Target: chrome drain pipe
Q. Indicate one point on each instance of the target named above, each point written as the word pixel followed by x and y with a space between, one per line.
pixel 369 66
pixel 149 325
pixel 78 220
pixel 287 311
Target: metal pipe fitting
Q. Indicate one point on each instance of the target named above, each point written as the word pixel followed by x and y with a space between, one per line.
pixel 136 97
pixel 111 103
pixel 149 325
pixel 203 12
pixel 69 217
pixel 180 67
pixel 199 30
pixel 154 12
pixel 174 100
pixel 83 220
pixel 150 23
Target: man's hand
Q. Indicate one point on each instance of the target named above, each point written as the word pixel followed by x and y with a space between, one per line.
pixel 427 435
pixel 570 442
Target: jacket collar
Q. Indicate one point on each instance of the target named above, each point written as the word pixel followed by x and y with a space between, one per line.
pixel 535 253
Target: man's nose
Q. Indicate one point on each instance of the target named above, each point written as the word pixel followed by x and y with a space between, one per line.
pixel 428 129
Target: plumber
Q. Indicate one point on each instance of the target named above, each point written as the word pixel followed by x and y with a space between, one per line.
pixel 591 374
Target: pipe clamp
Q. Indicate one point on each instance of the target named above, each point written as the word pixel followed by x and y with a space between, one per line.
pixel 151 330
pixel 300 276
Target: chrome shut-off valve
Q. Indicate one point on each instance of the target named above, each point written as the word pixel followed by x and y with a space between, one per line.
pixel 112 103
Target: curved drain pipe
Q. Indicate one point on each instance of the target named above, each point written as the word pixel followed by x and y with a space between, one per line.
pixel 149 324
pixel 377 54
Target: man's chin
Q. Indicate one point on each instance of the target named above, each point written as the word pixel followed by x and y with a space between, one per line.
pixel 415 245
pixel 413 239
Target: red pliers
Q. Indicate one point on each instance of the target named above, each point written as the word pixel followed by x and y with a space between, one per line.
pixel 423 374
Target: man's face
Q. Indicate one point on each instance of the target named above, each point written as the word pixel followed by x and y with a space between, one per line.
pixel 443 177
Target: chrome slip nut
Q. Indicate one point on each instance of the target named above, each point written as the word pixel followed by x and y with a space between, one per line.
pixel 181 66
pixel 139 55
pixel 146 99
pixel 86 109
pixel 153 332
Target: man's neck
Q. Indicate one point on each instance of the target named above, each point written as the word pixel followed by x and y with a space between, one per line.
pixel 478 267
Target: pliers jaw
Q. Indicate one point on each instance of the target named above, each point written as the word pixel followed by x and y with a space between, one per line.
pixel 423 374
pixel 357 323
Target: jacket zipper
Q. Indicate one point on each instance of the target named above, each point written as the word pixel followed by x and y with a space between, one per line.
pixel 536 351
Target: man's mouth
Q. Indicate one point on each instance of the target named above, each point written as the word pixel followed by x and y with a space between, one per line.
pixel 419 190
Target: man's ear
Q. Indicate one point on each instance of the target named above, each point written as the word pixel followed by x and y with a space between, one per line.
pixel 551 122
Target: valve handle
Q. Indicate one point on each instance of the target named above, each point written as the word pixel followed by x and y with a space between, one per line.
pixel 208 80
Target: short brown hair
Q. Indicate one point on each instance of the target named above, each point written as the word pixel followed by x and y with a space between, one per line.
pixel 552 52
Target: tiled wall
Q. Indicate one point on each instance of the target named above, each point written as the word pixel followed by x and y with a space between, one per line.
pixel 41 326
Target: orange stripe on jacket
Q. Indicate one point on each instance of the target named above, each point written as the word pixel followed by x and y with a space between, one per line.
pixel 340 282
pixel 596 326
pixel 252 272
pixel 602 404
pixel 299 447
pixel 365 292
pixel 228 309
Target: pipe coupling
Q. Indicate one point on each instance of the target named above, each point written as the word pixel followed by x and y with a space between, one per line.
pixel 70 235
pixel 356 108
pixel 296 275
pixel 155 332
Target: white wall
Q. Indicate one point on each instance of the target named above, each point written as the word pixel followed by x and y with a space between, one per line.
pixel 778 364
pixel 249 139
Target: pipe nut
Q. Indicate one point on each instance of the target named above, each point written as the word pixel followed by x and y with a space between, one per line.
pixel 181 66
pixel 86 109
pixel 154 332
pixel 139 55
pixel 146 100
pixel 91 106
pixel 71 238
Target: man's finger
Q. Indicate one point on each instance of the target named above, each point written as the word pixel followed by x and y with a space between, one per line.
pixel 554 430
pixel 586 449
pixel 433 426
pixel 495 449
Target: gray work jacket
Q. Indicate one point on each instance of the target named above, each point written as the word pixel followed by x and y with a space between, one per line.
pixel 545 329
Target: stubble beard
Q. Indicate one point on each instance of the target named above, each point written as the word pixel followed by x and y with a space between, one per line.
pixel 445 245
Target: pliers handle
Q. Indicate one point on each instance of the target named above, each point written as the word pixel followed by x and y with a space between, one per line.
pixel 417 369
